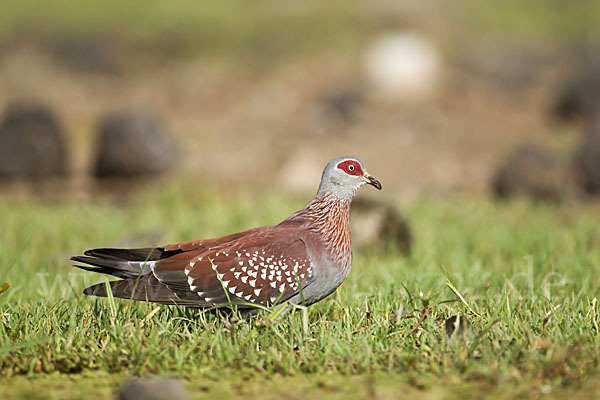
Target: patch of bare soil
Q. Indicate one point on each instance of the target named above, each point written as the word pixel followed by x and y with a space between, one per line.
pixel 283 124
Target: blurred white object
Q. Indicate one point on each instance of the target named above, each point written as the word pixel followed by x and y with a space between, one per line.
pixel 403 66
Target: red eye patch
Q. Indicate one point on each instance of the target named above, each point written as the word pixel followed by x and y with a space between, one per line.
pixel 351 167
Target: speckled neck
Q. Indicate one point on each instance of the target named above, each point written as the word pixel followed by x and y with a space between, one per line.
pixel 328 216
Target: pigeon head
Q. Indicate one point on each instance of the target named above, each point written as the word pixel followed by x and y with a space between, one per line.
pixel 343 176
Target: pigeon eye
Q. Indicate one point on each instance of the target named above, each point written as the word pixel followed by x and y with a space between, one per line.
pixel 350 167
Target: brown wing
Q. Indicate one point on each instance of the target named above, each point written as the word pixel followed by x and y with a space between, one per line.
pixel 261 267
pixel 207 243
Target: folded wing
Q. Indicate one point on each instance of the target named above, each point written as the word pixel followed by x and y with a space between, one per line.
pixel 261 266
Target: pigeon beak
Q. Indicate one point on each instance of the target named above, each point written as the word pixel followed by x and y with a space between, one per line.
pixel 372 181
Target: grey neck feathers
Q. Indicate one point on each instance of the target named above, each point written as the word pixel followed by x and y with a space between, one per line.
pixel 338 191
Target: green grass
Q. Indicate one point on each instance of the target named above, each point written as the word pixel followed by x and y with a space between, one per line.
pixel 534 20
pixel 271 29
pixel 527 273
pixel 236 29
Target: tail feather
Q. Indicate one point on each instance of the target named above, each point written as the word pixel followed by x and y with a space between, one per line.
pixel 114 267
pixel 99 262
pixel 135 266
pixel 145 288
pixel 145 254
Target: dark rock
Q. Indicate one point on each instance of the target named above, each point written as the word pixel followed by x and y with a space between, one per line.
pixel 152 389
pixel 133 144
pixel 342 104
pixel 94 54
pixel 586 160
pixel 580 96
pixel 457 321
pixel 504 66
pixel 375 223
pixel 31 143
pixel 530 171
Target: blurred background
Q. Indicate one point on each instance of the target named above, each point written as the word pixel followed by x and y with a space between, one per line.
pixel 434 97
pixel 135 123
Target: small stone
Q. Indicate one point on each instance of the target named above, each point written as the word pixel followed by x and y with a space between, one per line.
pixel 152 389
pixel 510 68
pixel 455 321
pixel 530 171
pixel 586 160
pixel 31 142
pixel 133 144
pixel 88 53
pixel 375 223
pixel 341 105
pixel 4 287
pixel 580 95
